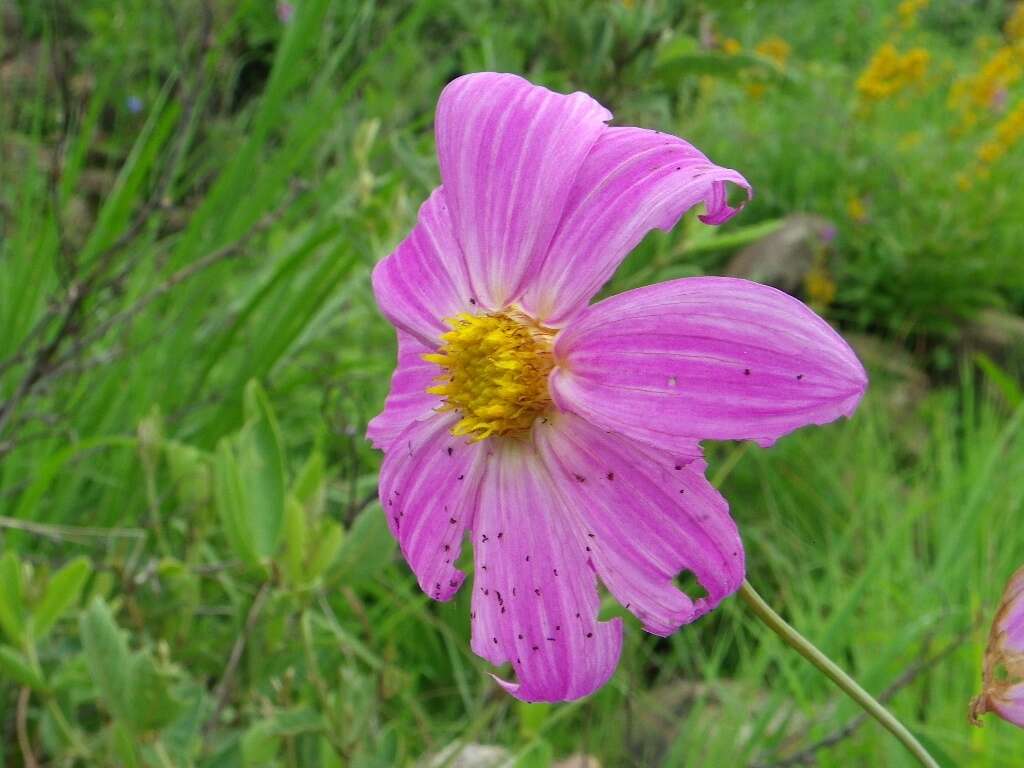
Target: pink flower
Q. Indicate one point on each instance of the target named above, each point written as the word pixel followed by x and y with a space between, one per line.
pixel 1003 691
pixel 564 438
pixel 285 11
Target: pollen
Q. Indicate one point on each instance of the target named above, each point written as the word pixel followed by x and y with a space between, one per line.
pixel 494 373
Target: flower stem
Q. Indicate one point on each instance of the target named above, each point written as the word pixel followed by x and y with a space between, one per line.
pixel 849 686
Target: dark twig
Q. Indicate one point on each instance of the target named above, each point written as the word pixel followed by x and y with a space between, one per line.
pixel 48 364
pixel 228 678
pixel 67 312
pixel 187 272
pixel 808 755
pixel 28 757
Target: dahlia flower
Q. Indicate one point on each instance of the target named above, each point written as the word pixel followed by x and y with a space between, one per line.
pixel 1003 691
pixel 564 438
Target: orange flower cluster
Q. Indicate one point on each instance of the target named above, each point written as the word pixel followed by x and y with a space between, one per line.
pixel 980 92
pixel 774 48
pixel 1008 132
pixel 1014 28
pixel 908 10
pixel 890 72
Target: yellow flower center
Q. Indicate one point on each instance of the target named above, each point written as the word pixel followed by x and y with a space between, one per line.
pixel 494 373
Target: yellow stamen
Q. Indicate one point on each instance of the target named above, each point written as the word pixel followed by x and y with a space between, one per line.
pixel 494 373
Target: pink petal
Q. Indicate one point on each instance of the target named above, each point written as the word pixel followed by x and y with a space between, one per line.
pixel 408 400
pixel 535 599
pixel 1009 704
pixel 648 515
pixel 509 152
pixel 708 357
pixel 424 279
pixel 1011 616
pixel 428 487
pixel 632 181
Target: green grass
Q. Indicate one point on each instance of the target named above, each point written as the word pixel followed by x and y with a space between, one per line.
pixel 186 303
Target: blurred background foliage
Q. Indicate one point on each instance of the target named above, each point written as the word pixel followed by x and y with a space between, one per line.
pixel 194 568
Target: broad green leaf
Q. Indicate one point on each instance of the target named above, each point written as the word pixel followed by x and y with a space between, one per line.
pixel 329 755
pixel 230 502
pixel 14 666
pixel 62 593
pixel 125 745
pixel 184 735
pixel 295 541
pixel 309 487
pixel 12 599
pixel 260 745
pixel 368 547
pixel 328 544
pixel 189 469
pixel 262 740
pixel 261 472
pixel 106 654
pixel 148 690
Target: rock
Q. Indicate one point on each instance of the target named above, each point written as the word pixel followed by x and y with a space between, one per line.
pixel 785 257
pixel 899 384
pixel 578 761
pixel 459 755
pixel 998 334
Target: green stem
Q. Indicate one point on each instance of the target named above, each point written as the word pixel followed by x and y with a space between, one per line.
pixel 849 686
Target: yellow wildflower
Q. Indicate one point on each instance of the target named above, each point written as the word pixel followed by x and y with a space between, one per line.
pixel 819 287
pixel 774 48
pixel 981 92
pixel 1008 132
pixel 731 46
pixel 856 209
pixel 1014 28
pixel 890 72
pixel 908 11
pixel 756 90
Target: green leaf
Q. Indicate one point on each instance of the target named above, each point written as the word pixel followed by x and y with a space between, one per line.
pixel 148 690
pixel 106 654
pixel 261 471
pixel 230 503
pixel 262 740
pixel 184 735
pixel 368 547
pixel 260 745
pixel 1008 387
pixel 62 593
pixel 709 239
pixel 12 599
pixel 541 755
pixel 295 541
pixel 16 667
pixel 532 718
pixel 328 544
pixel 190 473
pixel 309 487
